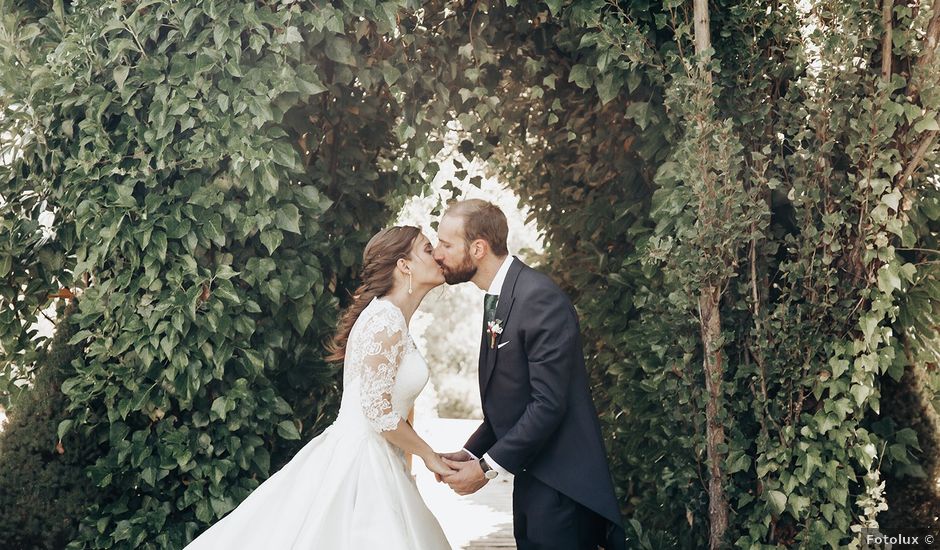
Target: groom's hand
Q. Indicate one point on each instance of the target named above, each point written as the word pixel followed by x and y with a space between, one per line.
pixel 457 456
pixel 468 479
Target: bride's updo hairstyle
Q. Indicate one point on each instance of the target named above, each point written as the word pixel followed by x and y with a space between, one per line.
pixel 376 278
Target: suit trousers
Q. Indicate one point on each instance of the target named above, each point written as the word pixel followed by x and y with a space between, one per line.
pixel 545 519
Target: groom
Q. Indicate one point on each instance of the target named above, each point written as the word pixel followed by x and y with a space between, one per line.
pixel 539 422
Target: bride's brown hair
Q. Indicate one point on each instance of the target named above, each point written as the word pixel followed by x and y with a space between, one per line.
pixel 379 259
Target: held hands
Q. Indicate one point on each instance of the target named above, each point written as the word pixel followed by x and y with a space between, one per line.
pixel 468 479
pixel 467 475
pixel 457 456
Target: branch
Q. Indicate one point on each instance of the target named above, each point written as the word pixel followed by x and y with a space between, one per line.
pixel 926 144
pixel 930 250
pixel 887 52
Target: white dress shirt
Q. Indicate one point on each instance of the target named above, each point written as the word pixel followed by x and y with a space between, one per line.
pixel 495 287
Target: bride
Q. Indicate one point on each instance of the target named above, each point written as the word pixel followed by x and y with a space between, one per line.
pixel 348 488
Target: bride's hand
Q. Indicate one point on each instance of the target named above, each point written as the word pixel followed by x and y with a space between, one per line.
pixel 434 463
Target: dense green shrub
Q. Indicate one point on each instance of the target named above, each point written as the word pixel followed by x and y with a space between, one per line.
pixel 215 169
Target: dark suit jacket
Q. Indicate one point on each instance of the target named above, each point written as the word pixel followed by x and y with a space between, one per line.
pixel 537 407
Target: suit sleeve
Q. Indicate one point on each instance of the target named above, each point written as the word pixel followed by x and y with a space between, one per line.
pixel 550 333
pixel 481 440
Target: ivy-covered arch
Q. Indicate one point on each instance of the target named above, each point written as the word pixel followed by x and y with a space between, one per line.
pixel 216 168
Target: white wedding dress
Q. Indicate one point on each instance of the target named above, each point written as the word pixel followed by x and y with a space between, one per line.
pixel 347 489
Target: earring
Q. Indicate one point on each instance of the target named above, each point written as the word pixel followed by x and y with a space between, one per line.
pixel 410 290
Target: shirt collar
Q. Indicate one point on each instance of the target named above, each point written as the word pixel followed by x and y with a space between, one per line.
pixel 497 285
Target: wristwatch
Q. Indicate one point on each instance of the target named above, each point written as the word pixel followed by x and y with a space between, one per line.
pixel 488 471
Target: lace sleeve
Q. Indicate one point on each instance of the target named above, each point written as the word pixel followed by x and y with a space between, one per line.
pixel 384 346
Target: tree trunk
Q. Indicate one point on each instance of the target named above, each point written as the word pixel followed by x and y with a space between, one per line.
pixel 710 319
pixel 710 325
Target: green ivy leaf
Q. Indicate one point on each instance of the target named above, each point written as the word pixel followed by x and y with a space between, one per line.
pixel 339 50
pixel 291 35
pixel 927 124
pixel 262 459
pixel 777 501
pixel 608 88
pixel 120 76
pixel 390 73
pixel 288 218
pixel 579 75
pixel 269 179
pixel 158 241
pixel 288 430
pixel 839 366
pixel 213 229
pixel 225 272
pixel 308 81
pixel 220 407
pixel 271 239
pixel 255 359
pixel 639 112
pixel 860 392
pixel 64 427
pixel 798 504
pixel 303 314
pixel 284 154
pixel 226 292
pixel 889 279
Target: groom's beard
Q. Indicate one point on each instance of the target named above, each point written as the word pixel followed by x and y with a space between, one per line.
pixel 461 274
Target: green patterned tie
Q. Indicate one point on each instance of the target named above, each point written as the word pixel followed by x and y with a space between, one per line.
pixel 489 307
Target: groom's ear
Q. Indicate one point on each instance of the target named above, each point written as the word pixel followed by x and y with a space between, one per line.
pixel 479 248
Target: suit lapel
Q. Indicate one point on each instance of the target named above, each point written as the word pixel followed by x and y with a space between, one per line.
pixel 503 309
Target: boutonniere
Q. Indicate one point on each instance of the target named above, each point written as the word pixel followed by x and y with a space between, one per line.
pixel 495 328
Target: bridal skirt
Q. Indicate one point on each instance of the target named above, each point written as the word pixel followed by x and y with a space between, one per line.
pixel 346 489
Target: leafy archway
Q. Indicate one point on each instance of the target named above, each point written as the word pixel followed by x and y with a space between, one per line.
pixel 215 169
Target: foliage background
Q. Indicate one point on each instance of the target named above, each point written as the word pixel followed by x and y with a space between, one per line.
pixel 215 169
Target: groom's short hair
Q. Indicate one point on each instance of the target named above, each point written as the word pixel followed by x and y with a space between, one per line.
pixel 482 220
